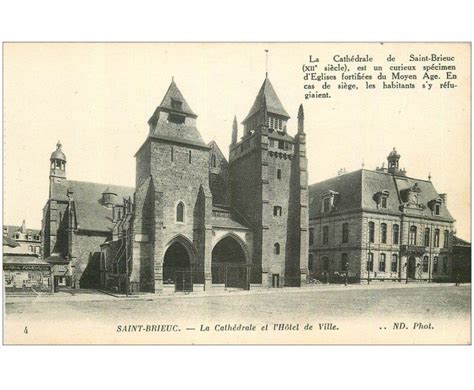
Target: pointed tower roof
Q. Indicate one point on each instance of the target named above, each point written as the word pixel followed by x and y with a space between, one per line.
pixel 268 97
pixel 175 101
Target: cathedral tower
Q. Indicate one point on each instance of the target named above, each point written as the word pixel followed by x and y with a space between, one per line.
pixel 268 186
pixel 173 201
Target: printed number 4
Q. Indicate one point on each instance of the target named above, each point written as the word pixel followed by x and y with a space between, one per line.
pixel 26 330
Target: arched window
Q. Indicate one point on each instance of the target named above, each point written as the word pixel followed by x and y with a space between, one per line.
pixel 180 212
pixel 276 248
pixel 213 160
pixel 172 153
pixel 395 234
pixel 382 262
pixel 394 266
pixel 190 157
pixel 383 232
pixel 412 235
pixel 278 174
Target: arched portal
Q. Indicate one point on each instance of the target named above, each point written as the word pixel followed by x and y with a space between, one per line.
pixel 229 264
pixel 177 267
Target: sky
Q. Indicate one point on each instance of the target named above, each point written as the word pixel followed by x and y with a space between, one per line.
pixel 97 99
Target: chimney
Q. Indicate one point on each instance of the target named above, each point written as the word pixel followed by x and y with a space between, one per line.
pixel 444 197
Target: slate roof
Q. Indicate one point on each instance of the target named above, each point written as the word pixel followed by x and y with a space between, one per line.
pixel 12 229
pixel 174 93
pixel 25 259
pixel 356 191
pixel 228 223
pixel 267 95
pixel 9 242
pixel 91 214
pixel 16 250
pixel 460 242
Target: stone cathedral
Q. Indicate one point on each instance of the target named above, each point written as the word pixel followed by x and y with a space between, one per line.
pixel 195 220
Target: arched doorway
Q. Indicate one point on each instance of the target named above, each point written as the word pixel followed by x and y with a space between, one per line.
pixel 229 264
pixel 177 267
pixel 412 267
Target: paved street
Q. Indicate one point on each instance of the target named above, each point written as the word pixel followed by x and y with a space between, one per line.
pixel 348 305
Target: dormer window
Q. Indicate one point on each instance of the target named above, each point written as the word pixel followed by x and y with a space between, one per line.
pixel 381 199
pixel 326 205
pixel 328 201
pixel 176 104
pixel 435 206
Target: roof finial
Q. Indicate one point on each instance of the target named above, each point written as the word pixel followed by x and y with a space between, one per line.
pixel 429 176
pixel 59 145
pixel 172 79
pixel 363 163
pixel 266 63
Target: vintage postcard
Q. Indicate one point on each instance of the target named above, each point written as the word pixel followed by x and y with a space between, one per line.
pixel 237 193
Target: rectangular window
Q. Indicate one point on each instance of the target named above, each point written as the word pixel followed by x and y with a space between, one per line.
pixel 176 104
pixel 382 262
pixel 325 235
pixel 435 265
pixel 384 202
pixel 395 234
pixel 371 232
pixel 345 233
pixel 190 157
pixel 370 262
pixel 427 237
pixel 383 233
pixel 326 205
pixel 436 238
pixel 394 265
pixel 311 236
pixel 437 209
pixel 344 263
pixel 281 144
pixel 446 239
pixel 279 174
pixel 277 211
pixel 412 235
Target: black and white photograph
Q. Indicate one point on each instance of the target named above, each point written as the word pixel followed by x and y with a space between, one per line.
pixel 228 193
